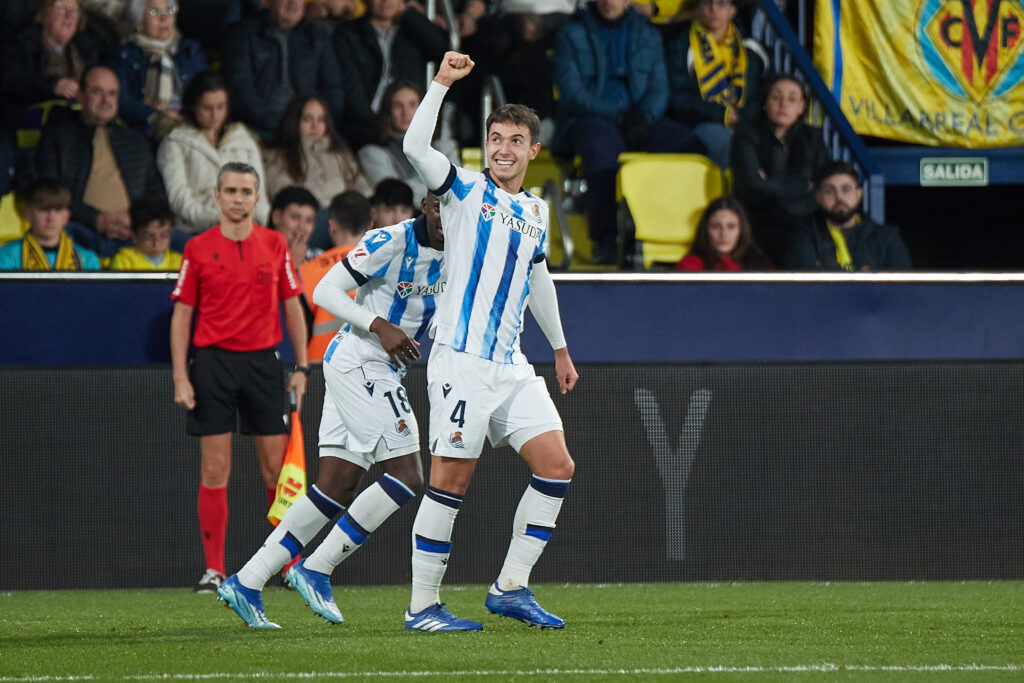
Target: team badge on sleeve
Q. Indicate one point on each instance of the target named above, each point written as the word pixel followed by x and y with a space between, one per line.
pixel 357 256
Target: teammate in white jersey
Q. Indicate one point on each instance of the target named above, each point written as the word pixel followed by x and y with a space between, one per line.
pixel 366 417
pixel 478 381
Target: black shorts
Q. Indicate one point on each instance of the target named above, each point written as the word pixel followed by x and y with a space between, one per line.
pixel 237 391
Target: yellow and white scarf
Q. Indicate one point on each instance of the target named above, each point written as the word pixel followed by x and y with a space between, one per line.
pixel 720 68
pixel 33 257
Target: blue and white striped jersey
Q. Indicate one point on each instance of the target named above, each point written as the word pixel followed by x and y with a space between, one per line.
pixel 400 279
pixel 492 239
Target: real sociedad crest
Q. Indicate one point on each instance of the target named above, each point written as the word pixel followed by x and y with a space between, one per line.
pixel 973 47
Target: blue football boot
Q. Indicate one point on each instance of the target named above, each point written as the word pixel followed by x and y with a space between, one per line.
pixel 520 604
pixel 315 589
pixel 246 602
pixel 438 618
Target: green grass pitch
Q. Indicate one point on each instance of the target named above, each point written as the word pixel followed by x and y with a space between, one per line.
pixel 622 632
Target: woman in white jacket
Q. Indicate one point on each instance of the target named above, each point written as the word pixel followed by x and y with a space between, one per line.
pixel 386 159
pixel 191 156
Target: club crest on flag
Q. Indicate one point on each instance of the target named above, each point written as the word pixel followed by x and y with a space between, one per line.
pixel 973 47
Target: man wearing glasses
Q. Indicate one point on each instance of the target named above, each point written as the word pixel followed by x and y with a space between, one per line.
pixel 155 66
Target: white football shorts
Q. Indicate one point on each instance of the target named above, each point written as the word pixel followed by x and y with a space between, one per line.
pixel 367 417
pixel 471 397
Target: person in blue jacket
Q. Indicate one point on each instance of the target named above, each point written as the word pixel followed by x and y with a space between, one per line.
pixel 613 89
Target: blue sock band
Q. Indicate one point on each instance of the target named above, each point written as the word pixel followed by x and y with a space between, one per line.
pixel 550 487
pixel 352 529
pixel 396 490
pixel 444 498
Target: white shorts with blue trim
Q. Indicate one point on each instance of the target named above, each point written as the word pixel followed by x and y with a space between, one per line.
pixel 367 417
pixel 472 398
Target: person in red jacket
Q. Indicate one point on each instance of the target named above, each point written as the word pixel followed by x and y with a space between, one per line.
pixel 724 241
pixel 236 275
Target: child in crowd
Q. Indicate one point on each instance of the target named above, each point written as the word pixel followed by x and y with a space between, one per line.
pixel 723 241
pixel 391 203
pixel 152 225
pixel 293 214
pixel 46 246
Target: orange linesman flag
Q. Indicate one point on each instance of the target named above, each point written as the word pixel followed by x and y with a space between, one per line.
pixel 291 485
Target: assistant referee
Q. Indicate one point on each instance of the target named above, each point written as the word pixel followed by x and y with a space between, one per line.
pixel 234 275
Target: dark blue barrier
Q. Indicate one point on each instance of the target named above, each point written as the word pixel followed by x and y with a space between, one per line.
pixel 109 320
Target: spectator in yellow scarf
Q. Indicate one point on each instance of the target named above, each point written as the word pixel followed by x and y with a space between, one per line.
pixel 715 75
pixel 46 246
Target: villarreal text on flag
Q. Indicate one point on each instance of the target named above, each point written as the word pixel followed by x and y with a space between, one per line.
pixel 933 72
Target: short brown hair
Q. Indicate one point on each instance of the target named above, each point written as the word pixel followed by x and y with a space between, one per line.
pixel 48 194
pixel 516 115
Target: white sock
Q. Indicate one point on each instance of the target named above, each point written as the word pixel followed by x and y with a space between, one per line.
pixel 531 529
pixel 431 546
pixel 367 512
pixel 299 525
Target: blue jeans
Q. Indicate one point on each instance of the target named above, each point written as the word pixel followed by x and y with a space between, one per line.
pixel 718 141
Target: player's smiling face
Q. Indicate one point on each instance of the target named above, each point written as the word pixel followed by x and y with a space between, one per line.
pixel 510 150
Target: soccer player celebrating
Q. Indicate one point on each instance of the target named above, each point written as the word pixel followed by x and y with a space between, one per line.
pixel 366 416
pixel 478 381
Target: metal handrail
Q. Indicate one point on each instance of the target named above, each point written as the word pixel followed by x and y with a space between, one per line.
pixel 788 54
pixel 454 39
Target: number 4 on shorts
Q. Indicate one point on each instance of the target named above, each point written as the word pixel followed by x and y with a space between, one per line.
pixel 459 414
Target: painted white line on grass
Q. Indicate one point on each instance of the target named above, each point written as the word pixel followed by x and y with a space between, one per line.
pixel 803 668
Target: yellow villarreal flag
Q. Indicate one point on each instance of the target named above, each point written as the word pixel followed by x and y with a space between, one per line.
pixel 932 72
pixel 291 485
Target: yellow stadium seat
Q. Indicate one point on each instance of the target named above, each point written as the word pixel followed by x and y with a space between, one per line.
pixel 12 224
pixel 665 195
pixel 472 158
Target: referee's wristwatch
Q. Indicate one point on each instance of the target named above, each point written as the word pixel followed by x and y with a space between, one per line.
pixel 304 369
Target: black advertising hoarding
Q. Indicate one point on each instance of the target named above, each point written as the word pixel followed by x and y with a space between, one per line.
pixel 822 471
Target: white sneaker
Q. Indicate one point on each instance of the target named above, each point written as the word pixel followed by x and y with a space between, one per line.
pixel 209 582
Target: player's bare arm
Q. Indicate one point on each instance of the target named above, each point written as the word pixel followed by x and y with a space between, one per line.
pixel 399 346
pixel 454 67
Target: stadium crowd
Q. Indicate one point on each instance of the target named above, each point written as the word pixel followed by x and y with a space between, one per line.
pixel 117 112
